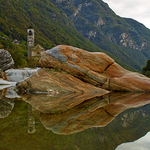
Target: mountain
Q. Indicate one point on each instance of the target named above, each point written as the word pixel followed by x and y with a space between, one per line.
pixel 89 24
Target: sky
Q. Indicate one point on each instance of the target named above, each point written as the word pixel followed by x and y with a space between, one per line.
pixel 138 10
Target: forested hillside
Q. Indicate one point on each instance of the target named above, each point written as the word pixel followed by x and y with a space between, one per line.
pixel 90 25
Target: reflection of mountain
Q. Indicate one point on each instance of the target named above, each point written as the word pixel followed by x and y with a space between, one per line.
pixel 67 114
pixel 127 126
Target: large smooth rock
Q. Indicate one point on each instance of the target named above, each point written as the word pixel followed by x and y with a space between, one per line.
pixel 95 68
pixel 53 82
pixel 85 65
pixel 6 60
pixel 120 79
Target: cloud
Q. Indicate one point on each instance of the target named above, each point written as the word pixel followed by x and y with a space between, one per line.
pixel 135 9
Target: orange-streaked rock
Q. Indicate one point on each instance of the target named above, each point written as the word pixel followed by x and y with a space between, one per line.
pixel 116 70
pixel 82 64
pixel 55 82
pixel 95 68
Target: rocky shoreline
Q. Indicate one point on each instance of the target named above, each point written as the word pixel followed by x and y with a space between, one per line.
pixel 67 69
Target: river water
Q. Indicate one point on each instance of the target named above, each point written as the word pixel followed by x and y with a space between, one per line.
pixel 44 122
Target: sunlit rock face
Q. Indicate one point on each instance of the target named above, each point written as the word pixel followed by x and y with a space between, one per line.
pixel 95 68
pixel 6 61
pixel 84 65
pixel 53 82
pixel 70 69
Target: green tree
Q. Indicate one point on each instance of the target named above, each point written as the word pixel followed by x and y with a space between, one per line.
pixel 146 69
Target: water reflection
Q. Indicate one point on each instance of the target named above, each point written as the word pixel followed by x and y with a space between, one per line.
pixel 140 144
pixel 67 114
pixel 104 121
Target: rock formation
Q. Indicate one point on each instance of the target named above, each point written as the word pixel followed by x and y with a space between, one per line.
pixel 96 68
pixel 6 62
pixel 77 85
pixel 70 69
pixel 53 82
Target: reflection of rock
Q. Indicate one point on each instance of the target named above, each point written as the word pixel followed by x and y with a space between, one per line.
pixel 6 61
pixel 11 93
pixel 118 102
pixel 6 106
pixel 5 84
pixel 59 102
pixel 94 112
pixel 90 113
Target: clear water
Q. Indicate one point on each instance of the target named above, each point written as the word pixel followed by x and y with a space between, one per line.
pixel 42 122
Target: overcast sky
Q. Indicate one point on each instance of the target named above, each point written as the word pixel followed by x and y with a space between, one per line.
pixel 135 9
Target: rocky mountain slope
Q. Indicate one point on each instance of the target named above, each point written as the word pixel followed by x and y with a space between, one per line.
pixel 125 38
pixel 89 24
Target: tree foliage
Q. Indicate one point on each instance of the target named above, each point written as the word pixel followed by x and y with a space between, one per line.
pixel 54 24
pixel 146 69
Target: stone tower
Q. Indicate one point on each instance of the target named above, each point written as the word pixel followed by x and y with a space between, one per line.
pixel 30 40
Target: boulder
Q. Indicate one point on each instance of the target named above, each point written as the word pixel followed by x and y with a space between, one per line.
pixel 87 66
pixel 120 79
pixel 53 82
pixel 6 61
pixel 96 68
